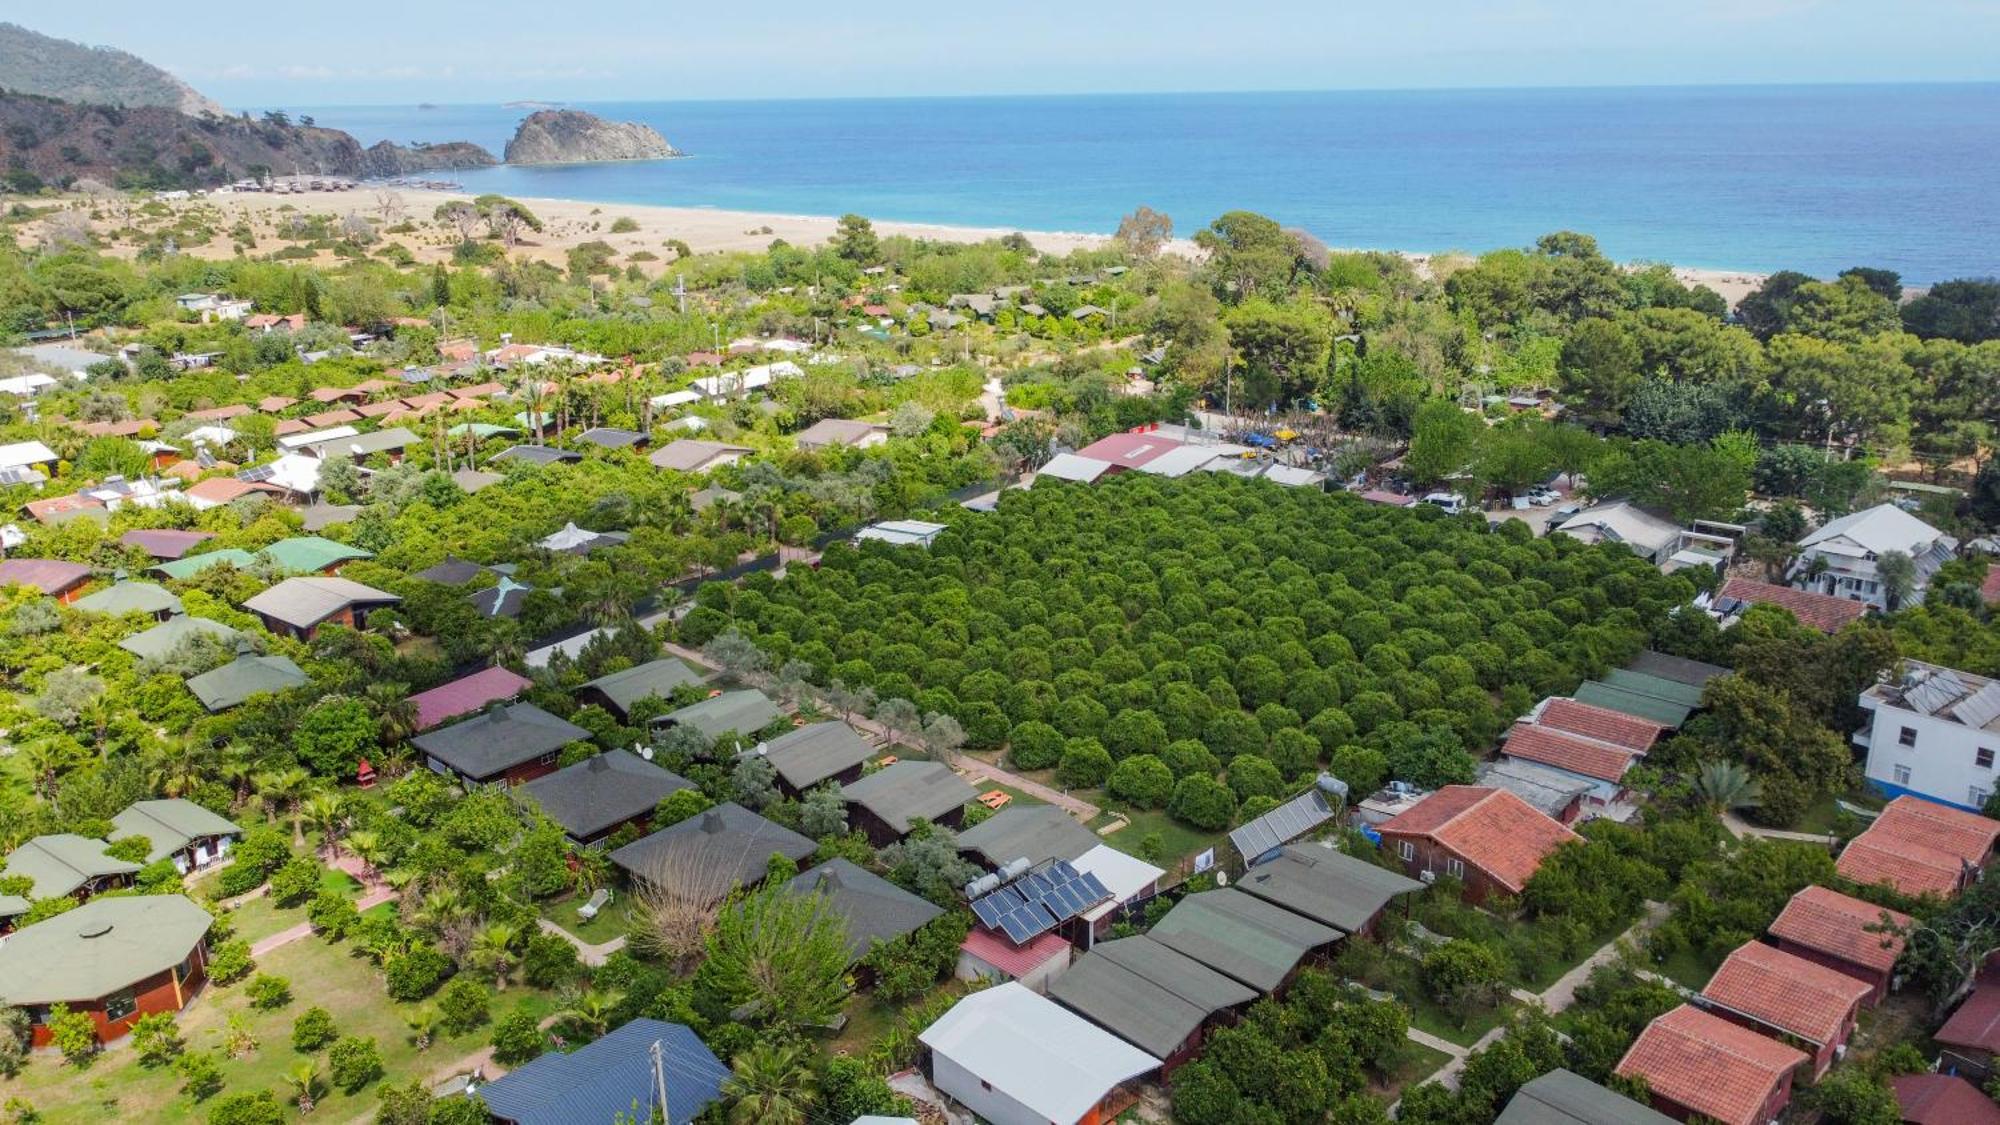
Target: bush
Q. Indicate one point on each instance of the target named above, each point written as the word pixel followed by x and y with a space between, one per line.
pixel 156 1038
pixel 550 961
pixel 313 1029
pixel 415 975
pixel 1085 764
pixel 678 806
pixel 295 882
pixel 73 1033
pixel 269 993
pixel 230 962
pixel 1254 776
pixel 200 1074
pixel 1034 746
pixel 1202 802
pixel 1464 975
pixel 354 1062
pixel 258 1107
pixel 332 914
pixel 1143 780
pixel 516 1039
pixel 463 1005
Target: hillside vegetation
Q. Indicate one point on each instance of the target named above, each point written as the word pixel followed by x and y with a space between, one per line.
pixel 33 63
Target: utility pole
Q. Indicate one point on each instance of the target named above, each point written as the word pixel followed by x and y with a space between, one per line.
pixel 660 1081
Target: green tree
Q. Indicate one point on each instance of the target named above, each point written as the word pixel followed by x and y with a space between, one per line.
pixel 73 1033
pixel 331 738
pixel 771 1083
pixel 157 1039
pixel 313 1029
pixel 1143 780
pixel 353 1062
pixel 780 957
pixel 1464 976
pixel 855 240
pixel 1444 443
pixel 517 1039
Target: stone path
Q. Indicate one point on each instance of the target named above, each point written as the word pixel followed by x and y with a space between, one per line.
pixel 591 955
pixel 287 936
pixel 1740 828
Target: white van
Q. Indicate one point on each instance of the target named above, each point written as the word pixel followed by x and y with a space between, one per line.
pixel 1450 501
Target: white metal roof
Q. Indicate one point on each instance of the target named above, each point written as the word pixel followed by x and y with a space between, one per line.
pixel 314 437
pixel 1884 527
pixel 1071 466
pixel 1123 875
pixel 1034 1051
pixel 20 454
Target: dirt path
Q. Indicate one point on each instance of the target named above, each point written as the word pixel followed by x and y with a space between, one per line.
pixel 591 955
pixel 1740 828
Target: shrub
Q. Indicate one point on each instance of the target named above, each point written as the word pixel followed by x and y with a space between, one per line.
pixel 463 1005
pixel 73 1033
pixel 332 914
pixel 1254 776
pixel 200 1074
pixel 268 993
pixel 516 1039
pixel 550 961
pixel 624 224
pixel 354 1062
pixel 1085 764
pixel 258 1107
pixel 1463 975
pixel 1143 780
pixel 313 1029
pixel 156 1038
pixel 295 882
pixel 1034 746
pixel 678 806
pixel 230 962
pixel 415 974
pixel 1203 802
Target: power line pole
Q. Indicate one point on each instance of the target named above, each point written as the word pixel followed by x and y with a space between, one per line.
pixel 660 1081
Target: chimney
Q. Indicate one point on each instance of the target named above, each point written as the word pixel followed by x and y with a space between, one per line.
pixel 711 822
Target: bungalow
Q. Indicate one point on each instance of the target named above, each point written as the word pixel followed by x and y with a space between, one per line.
pixel 332 419
pixel 219 689
pixel 54 578
pixel 1942 1099
pixel 1843 933
pixel 164 544
pixel 607 437
pixel 310 554
pixel 1599 723
pixel 1489 838
pixel 221 413
pixel 1786 996
pixel 507 742
pixel 1823 612
pixel 742 712
pixel 113 959
pixel 1650 537
pixel 817 753
pixel 887 804
pixel 298 607
pixel 988 956
pixel 603 793
pixel 192 836
pixel 1073 467
pixel 617 692
pixel 502 599
pixel 149 599
pixel 1602 764
pixel 1154 998
pixel 183 569
pixel 467 694
pixel 1970 1039
pixel 694 455
pixel 1563 1098
pixel 161 640
pixel 65 864
pixel 1328 886
pixel 535 455
pixel 453 571
pixel 828 433
pixel 1842 558
pixel 1696 1064
pixel 1129 880
pixel 62 509
pixel 389 443
pixel 607 1078
pixel 326 396
pixel 1919 847
pixel 1127 451
pixel 217 491
pixel 728 838
pixel 32 456
pixel 1015 1058
pixel 1036 833
pixel 1242 936
pixel 873 909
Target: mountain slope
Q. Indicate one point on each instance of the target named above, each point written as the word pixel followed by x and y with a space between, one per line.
pixel 33 63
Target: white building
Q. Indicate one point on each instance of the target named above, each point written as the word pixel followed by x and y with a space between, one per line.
pixel 214 306
pixel 1933 733
pixel 902 533
pixel 1017 1058
pixel 1840 558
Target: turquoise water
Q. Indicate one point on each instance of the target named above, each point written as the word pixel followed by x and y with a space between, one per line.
pixel 1816 178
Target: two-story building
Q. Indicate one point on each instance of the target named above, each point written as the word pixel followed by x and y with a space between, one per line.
pixel 1843 558
pixel 1934 733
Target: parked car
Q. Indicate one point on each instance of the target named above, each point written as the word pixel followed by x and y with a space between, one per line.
pixel 1543 497
pixel 1450 501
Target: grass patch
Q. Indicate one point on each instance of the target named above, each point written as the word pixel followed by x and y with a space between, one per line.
pixel 1416 1063
pixel 1689 969
pixel 1179 843
pixel 613 921
pixel 1426 1015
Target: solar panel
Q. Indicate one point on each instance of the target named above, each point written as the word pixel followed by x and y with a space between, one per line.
pixel 989 914
pixel 260 473
pixel 997 905
pixel 1026 924
pixel 1981 708
pixel 1938 690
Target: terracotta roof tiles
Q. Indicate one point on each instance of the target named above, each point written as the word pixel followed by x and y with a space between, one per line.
pixel 1709 1065
pixel 1919 847
pixel 1824 612
pixel 1838 925
pixel 1565 751
pixel 1786 991
pixel 1976 1023
pixel 1601 723
pixel 1491 829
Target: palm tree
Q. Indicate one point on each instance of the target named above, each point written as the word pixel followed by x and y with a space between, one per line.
pixel 286 789
pixel 1725 786
pixel 494 949
pixel 395 715
pixel 770 1084
pixel 422 1024
pixel 306 1085
pixel 366 844
pixel 590 1013
pixel 440 906
pixel 328 814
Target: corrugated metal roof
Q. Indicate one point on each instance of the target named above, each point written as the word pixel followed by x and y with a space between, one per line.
pixel 1562 1098
pixel 603 1079
pixel 1326 885
pixel 1241 936
pixel 1034 1051
pixel 1282 825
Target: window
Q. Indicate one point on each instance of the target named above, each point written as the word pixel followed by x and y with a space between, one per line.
pixel 1976 797
pixel 1983 757
pixel 1907 737
pixel 1455 868
pixel 118 1005
pixel 1902 775
pixel 1408 849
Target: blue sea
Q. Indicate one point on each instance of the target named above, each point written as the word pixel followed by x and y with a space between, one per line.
pixel 1815 178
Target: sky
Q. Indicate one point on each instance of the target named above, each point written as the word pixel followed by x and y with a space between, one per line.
pixel 252 55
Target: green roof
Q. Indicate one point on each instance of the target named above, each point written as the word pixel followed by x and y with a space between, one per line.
pixel 1562 1098
pixel 170 825
pixel 746 712
pixel 219 689
pixel 1326 885
pixel 1240 936
pixel 162 639
pixel 60 864
pixel 130 597
pixel 1649 707
pixel 657 677
pixel 310 554
pixel 1143 1012
pixel 101 947
pixel 186 568
pixel 1659 687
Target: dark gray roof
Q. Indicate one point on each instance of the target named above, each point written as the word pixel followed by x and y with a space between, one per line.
pixel 498 739
pixel 1677 668
pixel 609 437
pixel 601 791
pixel 606 1078
pixel 534 455
pixel 1562 1098
pixel 1326 885
pixel 1118 992
pixel 875 909
pixel 1241 936
pixel 811 754
pixel 1036 832
pixel 900 794
pixel 500 600
pixel 453 571
pixel 656 677
pixel 744 712
pixel 730 832
pixel 1283 824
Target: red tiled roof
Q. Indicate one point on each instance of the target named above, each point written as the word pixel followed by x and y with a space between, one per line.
pixel 1129 451
pixel 1942 1099
pixel 290 426
pixel 1566 751
pixel 378 409
pixel 1919 847
pixel 335 394
pixel 1015 961
pixel 220 490
pixel 1710 1065
pixel 466 695
pixel 332 418
pixel 57 505
pixel 478 389
pixel 50 576
pixel 164 542
pixel 1491 829
pixel 1786 991
pixel 435 398
pixel 1838 925
pixel 375 386
pixel 1901 865
pixel 1824 612
pixel 1600 723
pixel 219 413
pixel 1394 499
pixel 1966 835
pixel 1976 1023
pixel 271 404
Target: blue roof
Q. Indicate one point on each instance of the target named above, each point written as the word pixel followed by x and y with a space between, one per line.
pixel 608 1077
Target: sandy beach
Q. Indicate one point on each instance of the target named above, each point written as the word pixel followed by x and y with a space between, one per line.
pixel 570 222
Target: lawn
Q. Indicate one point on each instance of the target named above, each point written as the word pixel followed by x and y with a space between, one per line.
pixel 1689 969
pixel 614 921
pixel 261 917
pixel 115 1086
pixel 1179 843
pixel 1417 1063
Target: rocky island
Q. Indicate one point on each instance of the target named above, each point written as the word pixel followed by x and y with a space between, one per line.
pixel 570 136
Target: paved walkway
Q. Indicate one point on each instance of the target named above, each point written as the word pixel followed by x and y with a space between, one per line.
pixel 286 937
pixel 591 955
pixel 1740 828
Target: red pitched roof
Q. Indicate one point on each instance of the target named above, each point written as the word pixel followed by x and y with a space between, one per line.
pixel 478 389
pixel 1942 1099
pixel 1600 723
pixel 1824 612
pixel 1976 1023
pixel 164 542
pixel 57 505
pixel 466 695
pixel 271 404
pixel 1786 991
pixel 378 409
pixel 290 426
pixel 1015 961
pixel 219 413
pixel 50 576
pixel 221 490
pixel 332 418
pixel 1710 1065
pixel 1565 751
pixel 1919 847
pixel 335 394
pixel 1491 829
pixel 1129 451
pixel 1838 925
